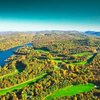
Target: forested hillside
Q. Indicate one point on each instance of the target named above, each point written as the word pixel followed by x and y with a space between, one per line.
pixel 8 41
pixel 58 66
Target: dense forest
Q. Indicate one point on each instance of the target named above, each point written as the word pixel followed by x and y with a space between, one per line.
pixel 57 66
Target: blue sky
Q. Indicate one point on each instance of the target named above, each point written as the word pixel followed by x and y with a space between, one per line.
pixel 33 15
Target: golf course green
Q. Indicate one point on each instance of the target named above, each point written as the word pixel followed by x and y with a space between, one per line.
pixel 70 91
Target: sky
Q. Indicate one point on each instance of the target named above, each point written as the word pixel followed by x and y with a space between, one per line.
pixel 36 15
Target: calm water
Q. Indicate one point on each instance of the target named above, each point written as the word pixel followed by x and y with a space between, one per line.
pixel 7 53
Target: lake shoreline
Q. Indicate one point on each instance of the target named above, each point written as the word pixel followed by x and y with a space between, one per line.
pixel 9 52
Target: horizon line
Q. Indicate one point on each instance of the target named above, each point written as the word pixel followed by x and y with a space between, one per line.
pixel 48 30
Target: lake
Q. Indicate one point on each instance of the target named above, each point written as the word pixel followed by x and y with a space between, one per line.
pixel 7 53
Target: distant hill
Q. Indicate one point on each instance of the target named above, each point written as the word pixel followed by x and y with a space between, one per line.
pixel 46 32
pixel 92 33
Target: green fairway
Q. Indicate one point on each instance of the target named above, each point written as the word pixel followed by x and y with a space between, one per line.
pixel 57 60
pixel 81 54
pixel 70 91
pixel 21 85
pixel 80 63
pixel 84 62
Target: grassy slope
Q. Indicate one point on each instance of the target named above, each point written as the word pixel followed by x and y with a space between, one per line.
pixel 21 85
pixel 70 91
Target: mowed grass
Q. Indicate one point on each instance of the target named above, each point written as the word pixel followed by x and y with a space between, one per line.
pixel 59 59
pixel 21 85
pixel 81 54
pixel 70 91
pixel 80 63
pixel 84 62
